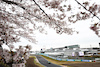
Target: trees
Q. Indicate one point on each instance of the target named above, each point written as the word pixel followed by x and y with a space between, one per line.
pixel 20 18
pixel 17 15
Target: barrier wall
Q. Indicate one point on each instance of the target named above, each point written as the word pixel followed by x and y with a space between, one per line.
pixel 65 59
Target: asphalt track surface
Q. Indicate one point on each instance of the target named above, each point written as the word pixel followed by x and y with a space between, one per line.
pixel 45 62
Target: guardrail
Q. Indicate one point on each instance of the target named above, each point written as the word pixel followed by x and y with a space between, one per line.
pixel 66 59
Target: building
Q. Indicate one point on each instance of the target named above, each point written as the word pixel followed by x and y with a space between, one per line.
pixel 73 50
pixel 64 51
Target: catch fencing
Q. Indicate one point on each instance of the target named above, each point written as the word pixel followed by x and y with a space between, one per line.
pixel 66 59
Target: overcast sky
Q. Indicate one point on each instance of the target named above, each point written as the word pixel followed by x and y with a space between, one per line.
pixel 86 37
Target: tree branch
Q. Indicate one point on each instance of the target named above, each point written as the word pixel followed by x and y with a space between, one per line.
pixel 87 9
pixel 17 4
pixel 11 2
pixel 45 13
pixel 41 9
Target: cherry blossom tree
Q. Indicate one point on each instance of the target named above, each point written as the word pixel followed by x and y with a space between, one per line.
pixel 18 58
pixel 20 18
pixel 16 16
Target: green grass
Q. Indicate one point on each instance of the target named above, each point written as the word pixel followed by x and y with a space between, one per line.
pixel 62 62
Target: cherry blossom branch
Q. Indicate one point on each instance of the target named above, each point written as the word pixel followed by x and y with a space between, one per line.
pixel 41 9
pixel 94 27
pixel 17 4
pixel 45 13
pixel 11 2
pixel 87 9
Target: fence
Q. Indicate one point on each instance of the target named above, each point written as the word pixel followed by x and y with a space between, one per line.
pixel 66 59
